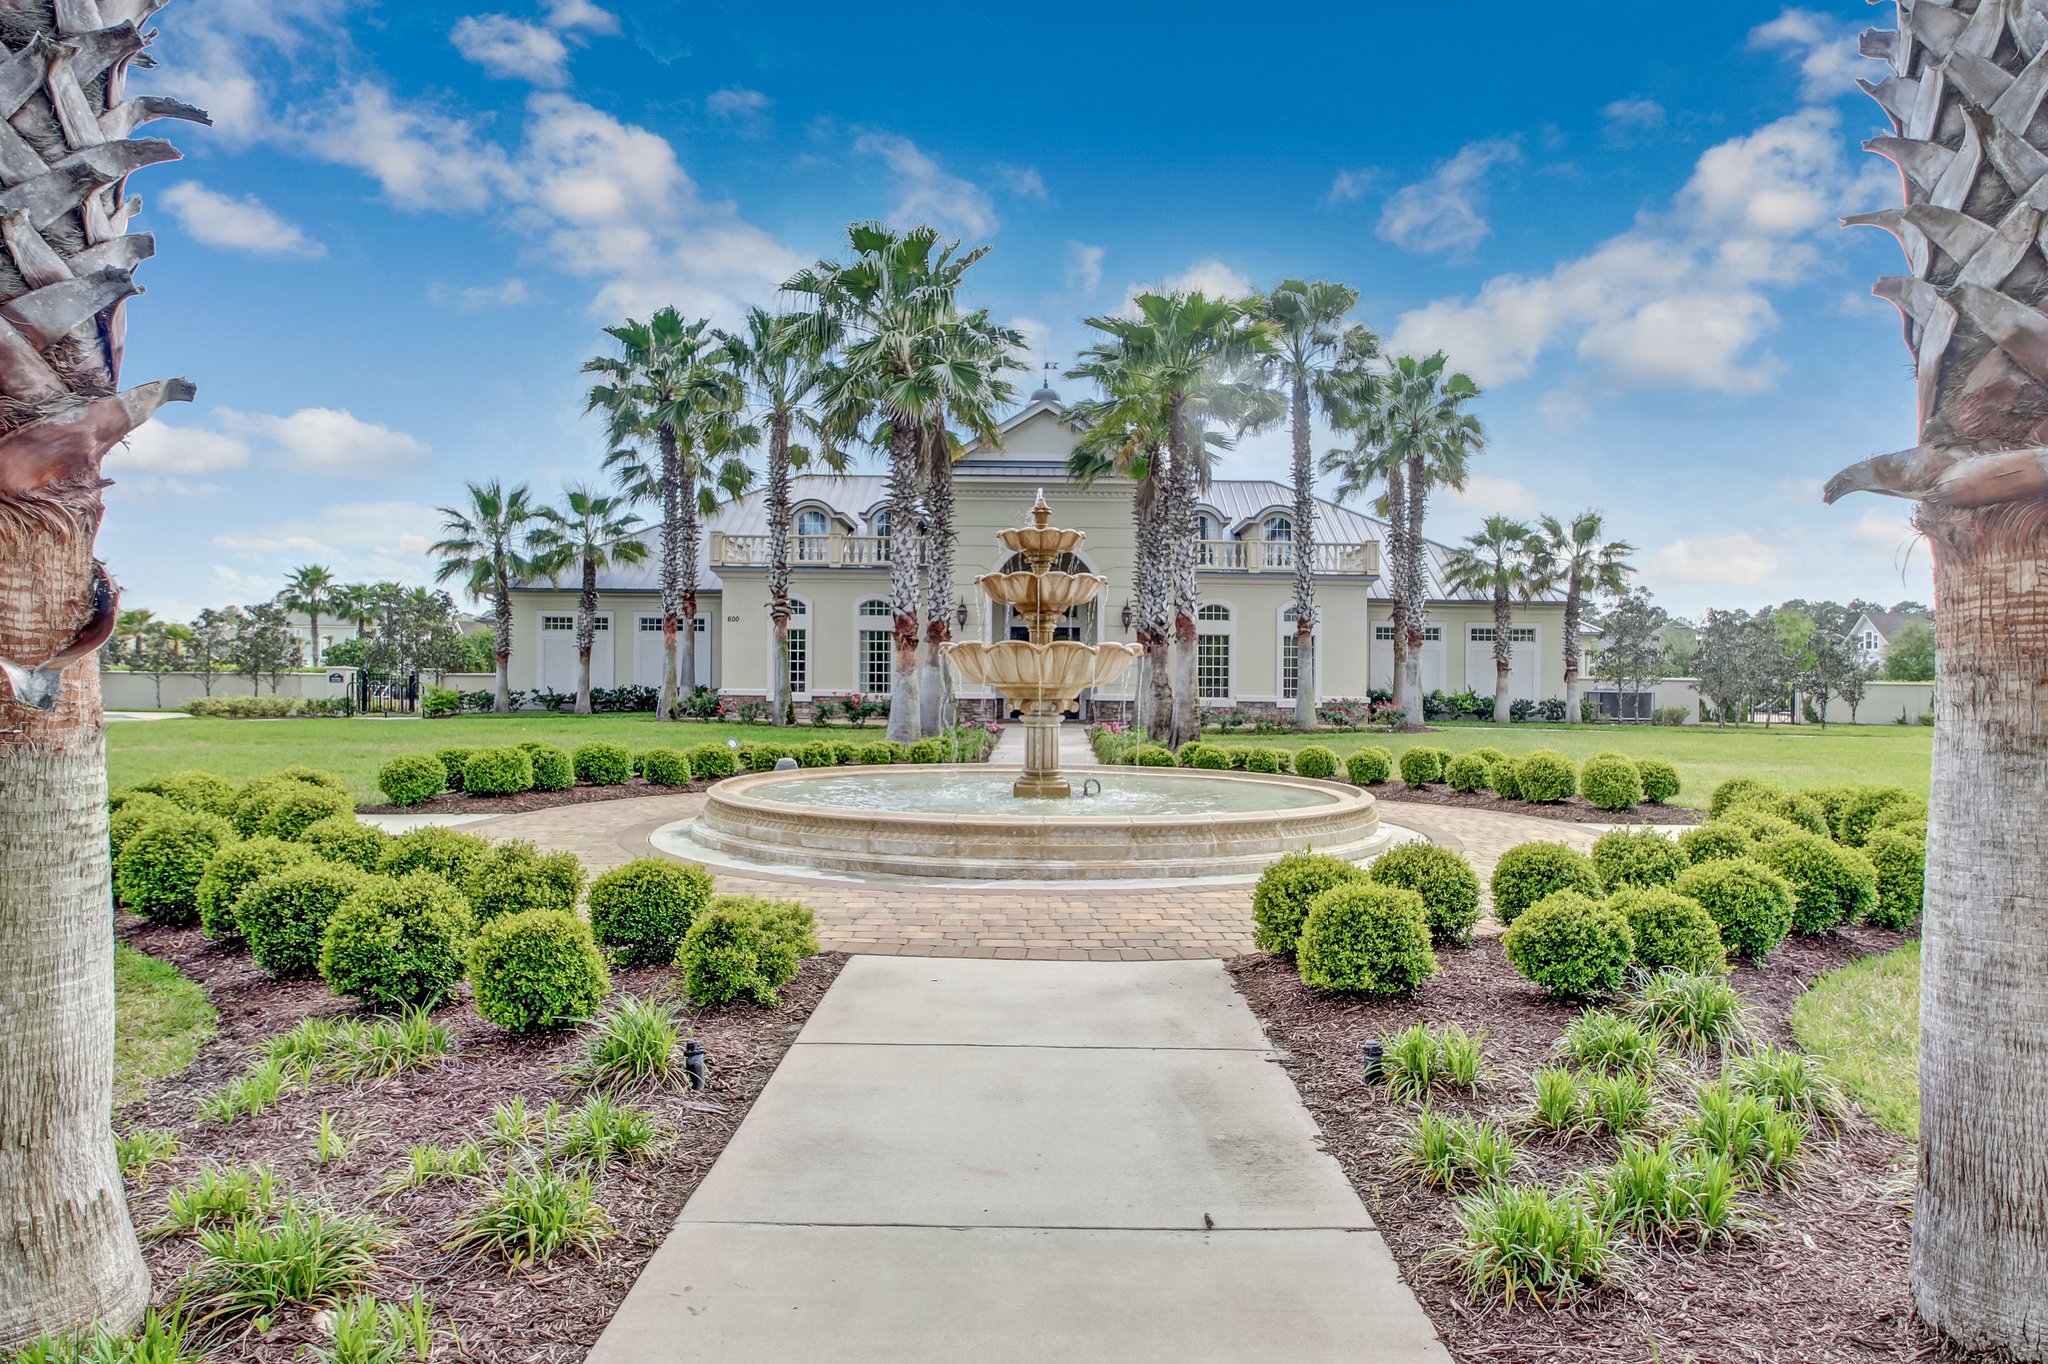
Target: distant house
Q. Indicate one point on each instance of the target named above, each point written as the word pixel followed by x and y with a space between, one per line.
pixel 1875 630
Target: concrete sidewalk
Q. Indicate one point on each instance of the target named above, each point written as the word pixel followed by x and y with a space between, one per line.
pixel 1024 1161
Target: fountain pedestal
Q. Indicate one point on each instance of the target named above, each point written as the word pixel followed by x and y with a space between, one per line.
pixel 1041 676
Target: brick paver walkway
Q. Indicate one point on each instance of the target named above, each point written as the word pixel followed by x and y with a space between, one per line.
pixel 1099 922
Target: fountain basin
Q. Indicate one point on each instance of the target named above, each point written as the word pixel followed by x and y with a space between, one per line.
pixel 961 822
pixel 1042 593
pixel 1058 673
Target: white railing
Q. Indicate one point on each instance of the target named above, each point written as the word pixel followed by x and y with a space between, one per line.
pixel 1277 556
pixel 805 551
pixel 1211 556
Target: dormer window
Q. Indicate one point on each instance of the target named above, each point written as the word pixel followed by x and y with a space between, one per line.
pixel 1277 528
pixel 1206 527
pixel 812 522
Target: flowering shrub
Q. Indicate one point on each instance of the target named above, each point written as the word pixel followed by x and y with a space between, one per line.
pixel 1340 712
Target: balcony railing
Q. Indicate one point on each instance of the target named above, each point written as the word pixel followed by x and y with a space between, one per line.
pixel 1211 556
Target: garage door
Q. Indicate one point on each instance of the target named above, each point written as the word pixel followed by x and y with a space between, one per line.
pixel 648 654
pixel 1432 657
pixel 1522 672
pixel 558 662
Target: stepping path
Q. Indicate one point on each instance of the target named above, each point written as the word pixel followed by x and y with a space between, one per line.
pixel 1024 1161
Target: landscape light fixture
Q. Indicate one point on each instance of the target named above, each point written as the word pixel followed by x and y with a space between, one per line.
pixel 1373 1055
pixel 695 1061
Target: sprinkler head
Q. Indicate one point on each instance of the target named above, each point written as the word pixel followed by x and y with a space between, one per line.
pixel 1374 1056
pixel 695 1062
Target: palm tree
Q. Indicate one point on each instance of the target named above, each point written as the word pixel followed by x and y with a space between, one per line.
pixel 307 590
pixel 1191 352
pixel 130 625
pixel 594 531
pixel 1571 556
pixel 666 387
pixel 1974 325
pixel 355 602
pixel 781 373
pixel 1369 472
pixel 1496 560
pixel 483 544
pixel 70 1254
pixel 904 361
pixel 1319 361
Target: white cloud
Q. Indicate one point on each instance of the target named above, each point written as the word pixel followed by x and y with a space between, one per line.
pixel 1490 495
pixel 326 441
pixel 1353 184
pixel 1446 211
pixel 748 108
pixel 234 224
pixel 512 48
pixel 1633 114
pixel 1824 48
pixel 1884 528
pixel 159 448
pixel 925 193
pixel 1023 181
pixel 1739 560
pixel 1084 267
pixel 423 158
pixel 1678 300
pixel 1208 276
pixel 507 294
pixel 358 540
pixel 212 55
pixel 581 14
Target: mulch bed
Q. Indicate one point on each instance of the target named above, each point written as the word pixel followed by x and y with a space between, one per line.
pixel 455 803
pixel 549 1314
pixel 1572 809
pixel 1823 1281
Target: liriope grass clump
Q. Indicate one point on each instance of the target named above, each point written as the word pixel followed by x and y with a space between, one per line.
pixel 1446 1152
pixel 1525 1241
pixel 1428 1057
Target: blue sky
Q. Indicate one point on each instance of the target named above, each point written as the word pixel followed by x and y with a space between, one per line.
pixel 385 262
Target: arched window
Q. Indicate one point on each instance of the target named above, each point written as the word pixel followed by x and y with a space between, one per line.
pixel 1212 653
pixel 1213 612
pixel 1278 528
pixel 876 656
pixel 881 524
pixel 813 532
pixel 1206 527
pixel 810 521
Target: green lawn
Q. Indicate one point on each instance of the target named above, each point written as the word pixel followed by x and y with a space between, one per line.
pixel 1798 755
pixel 161 1020
pixel 1864 1021
pixel 354 749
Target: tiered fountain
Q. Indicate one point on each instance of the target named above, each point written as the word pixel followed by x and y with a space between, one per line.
pixel 975 822
pixel 1041 676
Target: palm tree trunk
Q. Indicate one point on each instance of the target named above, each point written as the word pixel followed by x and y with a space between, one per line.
pixel 934 692
pixel 501 633
pixel 1184 589
pixel 1980 1225
pixel 1304 561
pixel 1414 607
pixel 1573 605
pixel 69 1254
pixel 586 633
pixel 905 715
pixel 313 618
pixel 1503 652
pixel 1152 618
pixel 1397 606
pixel 778 565
pixel 671 570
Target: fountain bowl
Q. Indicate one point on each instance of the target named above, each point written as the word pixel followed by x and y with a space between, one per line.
pixel 959 822
pixel 1042 593
pixel 1055 673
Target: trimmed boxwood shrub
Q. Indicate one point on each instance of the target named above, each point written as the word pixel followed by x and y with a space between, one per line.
pixel 603 764
pixel 743 946
pixel 665 767
pixel 553 769
pixel 453 761
pixel 1831 885
pixel 1316 763
pixel 398 944
pixel 1366 938
pixel 1446 882
pixel 1860 815
pixel 1797 809
pixel 1545 776
pixel 640 912
pixel 1760 824
pixel 1903 815
pixel 161 864
pixel 137 810
pixel 295 807
pixel 515 877
pixel 1833 800
pixel 1529 872
pixel 1671 930
pixel 201 792
pixel 1238 757
pixel 1147 755
pixel 1751 903
pixel 1611 782
pixel 1188 753
pixel 1900 862
pixel 312 776
pixel 1660 780
pixel 880 753
pixel 1740 791
pixel 843 751
pixel 1506 779
pixel 1265 760
pixel 762 757
pixel 1421 766
pixel 537 969
pixel 816 753
pixel 1715 842
pixel 252 803
pixel 412 778
pixel 498 772
pixel 1369 766
pixel 285 914
pixel 1281 899
pixel 713 761
pixel 235 868
pixel 1637 857
pixel 445 853
pixel 1491 754
pixel 1572 945
pixel 1468 772
pixel 346 840
pixel 1913 829
pixel 1211 758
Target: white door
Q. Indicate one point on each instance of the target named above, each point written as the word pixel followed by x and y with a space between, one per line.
pixel 648 654
pixel 1432 658
pixel 1479 672
pixel 558 662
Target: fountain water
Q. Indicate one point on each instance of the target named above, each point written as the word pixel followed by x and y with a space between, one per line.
pixel 1040 675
